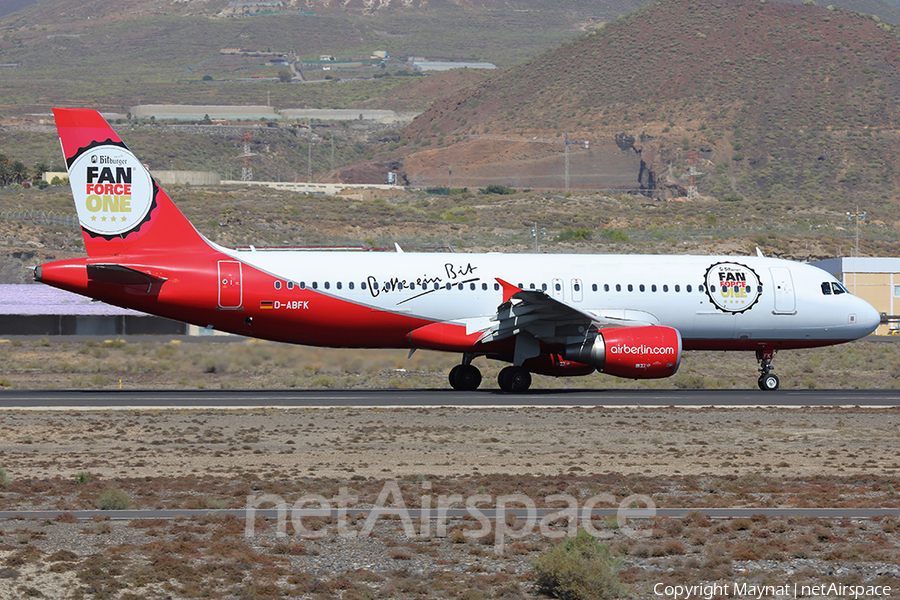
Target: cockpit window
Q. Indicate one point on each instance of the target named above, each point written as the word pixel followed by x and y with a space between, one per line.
pixel 826 288
pixel 838 288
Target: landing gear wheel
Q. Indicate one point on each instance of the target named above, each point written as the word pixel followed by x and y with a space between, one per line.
pixel 514 380
pixel 468 378
pixel 465 378
pixel 454 374
pixel 769 382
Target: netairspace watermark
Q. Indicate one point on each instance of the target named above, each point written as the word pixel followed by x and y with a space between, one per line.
pixel 432 514
pixel 790 590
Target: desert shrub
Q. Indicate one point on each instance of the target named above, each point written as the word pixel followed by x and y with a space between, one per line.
pixel 614 235
pixel 82 478
pixel 581 234
pixel 4 477
pixel 113 499
pixel 497 189
pixel 581 568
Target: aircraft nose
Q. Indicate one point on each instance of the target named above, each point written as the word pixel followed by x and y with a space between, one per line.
pixel 867 318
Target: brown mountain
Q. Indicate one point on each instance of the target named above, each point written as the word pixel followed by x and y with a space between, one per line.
pixel 776 99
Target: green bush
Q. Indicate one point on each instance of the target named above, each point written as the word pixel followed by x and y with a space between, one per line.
pixel 581 568
pixel 497 189
pixel 4 477
pixel 614 235
pixel 113 499
pixel 581 234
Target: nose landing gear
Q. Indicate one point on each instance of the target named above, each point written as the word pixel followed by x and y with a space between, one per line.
pixel 768 381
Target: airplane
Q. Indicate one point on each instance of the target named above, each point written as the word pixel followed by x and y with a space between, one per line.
pixel 630 316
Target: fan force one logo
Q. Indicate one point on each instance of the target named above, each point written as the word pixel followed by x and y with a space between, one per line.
pixel 732 287
pixel 113 190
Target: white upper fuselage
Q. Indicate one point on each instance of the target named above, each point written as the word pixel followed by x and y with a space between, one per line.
pixel 786 301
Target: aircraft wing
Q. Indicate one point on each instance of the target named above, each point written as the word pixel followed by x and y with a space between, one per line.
pixel 552 320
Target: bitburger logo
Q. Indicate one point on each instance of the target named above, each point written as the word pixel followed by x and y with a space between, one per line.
pixel 732 287
pixel 113 191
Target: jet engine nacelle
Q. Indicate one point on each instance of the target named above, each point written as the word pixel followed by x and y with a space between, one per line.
pixel 634 352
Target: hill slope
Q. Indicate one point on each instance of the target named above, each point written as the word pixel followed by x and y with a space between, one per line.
pixel 777 98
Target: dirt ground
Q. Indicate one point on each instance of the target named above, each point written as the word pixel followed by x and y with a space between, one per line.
pixel 451 442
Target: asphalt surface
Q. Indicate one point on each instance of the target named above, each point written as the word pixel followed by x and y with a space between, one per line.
pixel 193 399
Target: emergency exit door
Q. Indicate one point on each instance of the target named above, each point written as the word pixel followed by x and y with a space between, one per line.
pixel 230 289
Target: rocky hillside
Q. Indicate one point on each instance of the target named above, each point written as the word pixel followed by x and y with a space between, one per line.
pixel 776 99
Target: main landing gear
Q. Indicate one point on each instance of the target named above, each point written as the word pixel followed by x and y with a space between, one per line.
pixel 465 377
pixel 514 380
pixel 768 381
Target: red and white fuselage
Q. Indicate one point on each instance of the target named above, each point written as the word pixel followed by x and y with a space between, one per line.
pixel 549 312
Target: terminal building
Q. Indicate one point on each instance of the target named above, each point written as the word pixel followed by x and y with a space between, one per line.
pixel 875 280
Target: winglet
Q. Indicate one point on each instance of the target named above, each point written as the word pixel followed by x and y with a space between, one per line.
pixel 759 252
pixel 509 290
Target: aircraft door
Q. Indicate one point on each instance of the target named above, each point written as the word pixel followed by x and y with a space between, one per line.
pixel 785 302
pixel 230 287
pixel 556 289
pixel 577 290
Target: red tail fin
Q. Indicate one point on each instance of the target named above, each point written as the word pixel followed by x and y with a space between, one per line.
pixel 120 207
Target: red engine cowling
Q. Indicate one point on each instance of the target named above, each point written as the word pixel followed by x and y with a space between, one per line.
pixel 634 352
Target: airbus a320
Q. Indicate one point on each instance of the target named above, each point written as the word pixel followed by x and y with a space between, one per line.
pixel 562 315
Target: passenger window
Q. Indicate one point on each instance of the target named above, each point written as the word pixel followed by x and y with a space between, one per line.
pixel 412 286
pixel 315 285
pixel 665 288
pixel 558 287
pixel 362 285
pixel 712 288
pixel 838 288
pixel 641 287
pixel 438 286
pixel 618 287
pixel 653 288
pixel 338 285
pixel 496 287
pixel 605 287
pixel 577 287
pixel 630 288
pixel 350 285
pixel 688 288
pixel 544 287
pixel 677 288
pixel 471 286
pixel 375 286
pixel 277 285
pixel 327 285
pixel 699 288
pixel 460 286
pixel 520 286
pixel 290 285
pixel 594 287
pixel 484 286
pixel 449 285
pixel 531 285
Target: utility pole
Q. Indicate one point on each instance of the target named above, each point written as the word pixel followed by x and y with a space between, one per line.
pixel 534 233
pixel 859 216
pixel 309 161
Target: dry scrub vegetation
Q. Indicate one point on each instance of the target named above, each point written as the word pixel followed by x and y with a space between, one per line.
pixel 210 556
pixel 235 363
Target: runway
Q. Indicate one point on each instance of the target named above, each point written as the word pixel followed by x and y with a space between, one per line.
pixel 488 398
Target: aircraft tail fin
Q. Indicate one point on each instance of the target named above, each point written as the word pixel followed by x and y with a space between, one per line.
pixel 121 209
